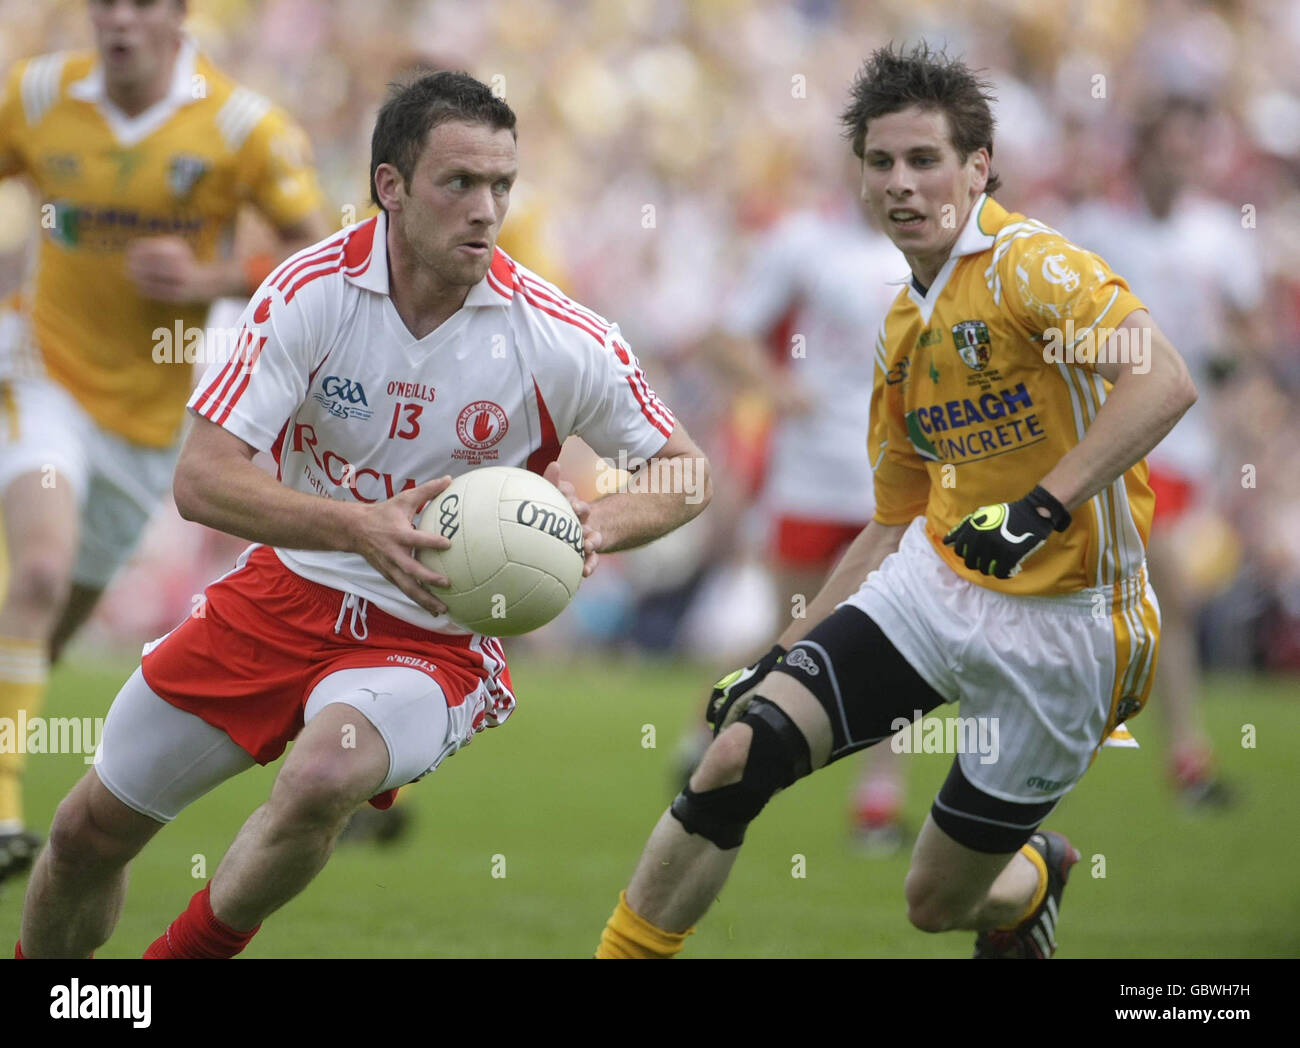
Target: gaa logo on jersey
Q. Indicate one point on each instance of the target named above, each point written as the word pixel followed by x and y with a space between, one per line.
pixel 341 397
pixel 184 172
pixel 973 346
pixel 481 424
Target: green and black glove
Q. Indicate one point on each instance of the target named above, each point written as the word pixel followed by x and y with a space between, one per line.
pixel 995 540
pixel 730 695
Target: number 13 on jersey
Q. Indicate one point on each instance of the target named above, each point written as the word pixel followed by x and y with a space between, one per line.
pixel 408 427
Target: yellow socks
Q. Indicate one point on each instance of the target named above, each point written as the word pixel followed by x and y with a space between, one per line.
pixel 1040 864
pixel 24 668
pixel 629 936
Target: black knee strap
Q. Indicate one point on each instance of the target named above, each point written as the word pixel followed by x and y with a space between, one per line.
pixel 778 755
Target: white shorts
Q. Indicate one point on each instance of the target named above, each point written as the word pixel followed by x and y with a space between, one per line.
pixel 1052 675
pixel 157 759
pixel 118 484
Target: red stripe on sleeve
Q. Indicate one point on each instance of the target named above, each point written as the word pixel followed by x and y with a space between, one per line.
pixel 227 376
pixel 233 399
pixel 568 318
pixel 645 409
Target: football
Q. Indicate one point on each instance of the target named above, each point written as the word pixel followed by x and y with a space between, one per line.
pixel 516 550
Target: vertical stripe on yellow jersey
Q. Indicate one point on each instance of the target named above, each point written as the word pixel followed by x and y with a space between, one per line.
pixel 1092 400
pixel 1093 567
pixel 1087 405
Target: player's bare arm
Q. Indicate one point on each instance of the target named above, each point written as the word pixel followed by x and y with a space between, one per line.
pixel 218 485
pixel 166 269
pixel 1141 408
pixel 628 519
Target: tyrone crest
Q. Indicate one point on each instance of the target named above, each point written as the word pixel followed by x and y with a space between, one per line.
pixel 973 346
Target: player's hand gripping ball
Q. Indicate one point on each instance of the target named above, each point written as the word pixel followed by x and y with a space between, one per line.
pixel 730 695
pixel 516 552
pixel 996 540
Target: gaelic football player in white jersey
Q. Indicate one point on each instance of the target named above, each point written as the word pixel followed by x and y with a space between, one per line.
pixel 373 366
pixel 1189 257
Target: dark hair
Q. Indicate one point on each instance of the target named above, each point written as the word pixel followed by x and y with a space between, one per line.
pixel 414 109
pixel 890 81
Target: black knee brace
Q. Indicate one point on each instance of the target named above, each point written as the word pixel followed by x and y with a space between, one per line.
pixel 778 755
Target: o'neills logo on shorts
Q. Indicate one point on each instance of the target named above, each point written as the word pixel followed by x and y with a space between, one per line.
pixel 562 526
pixel 414 662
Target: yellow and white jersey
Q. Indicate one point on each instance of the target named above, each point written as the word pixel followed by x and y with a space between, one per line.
pixel 969 407
pixel 181 168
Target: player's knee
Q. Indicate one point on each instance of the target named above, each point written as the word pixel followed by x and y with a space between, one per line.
pixel 740 773
pixel 320 793
pixel 929 908
pixel 78 847
pixel 724 761
pixel 39 582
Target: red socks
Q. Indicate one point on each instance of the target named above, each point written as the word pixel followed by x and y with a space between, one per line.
pixel 20 956
pixel 197 934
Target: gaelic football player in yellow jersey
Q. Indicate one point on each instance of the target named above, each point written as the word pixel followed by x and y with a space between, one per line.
pixel 141 154
pixel 1018 386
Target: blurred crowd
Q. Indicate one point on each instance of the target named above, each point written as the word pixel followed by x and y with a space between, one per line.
pixel 658 139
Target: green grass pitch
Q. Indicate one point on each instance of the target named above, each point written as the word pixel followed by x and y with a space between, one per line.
pixel 563 796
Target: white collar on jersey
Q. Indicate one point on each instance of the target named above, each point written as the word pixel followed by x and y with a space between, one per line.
pixel 129 130
pixel 492 290
pixel 971 241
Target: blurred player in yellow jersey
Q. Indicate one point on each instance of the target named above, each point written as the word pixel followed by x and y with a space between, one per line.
pixel 141 154
pixel 1018 386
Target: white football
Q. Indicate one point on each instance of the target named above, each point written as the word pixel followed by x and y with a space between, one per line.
pixel 516 550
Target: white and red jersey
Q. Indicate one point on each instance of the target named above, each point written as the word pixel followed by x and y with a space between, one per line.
pixel 327 378
pixel 830 280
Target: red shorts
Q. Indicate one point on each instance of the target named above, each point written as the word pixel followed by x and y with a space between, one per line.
pixel 1174 493
pixel 248 659
pixel 803 542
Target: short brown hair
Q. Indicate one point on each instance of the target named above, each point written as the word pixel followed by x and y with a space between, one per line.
pixel 890 81
pixel 415 109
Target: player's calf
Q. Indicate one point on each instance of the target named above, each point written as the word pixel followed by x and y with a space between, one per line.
pixel 967 870
pixel 973 892
pixel 78 884
pixel 338 762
